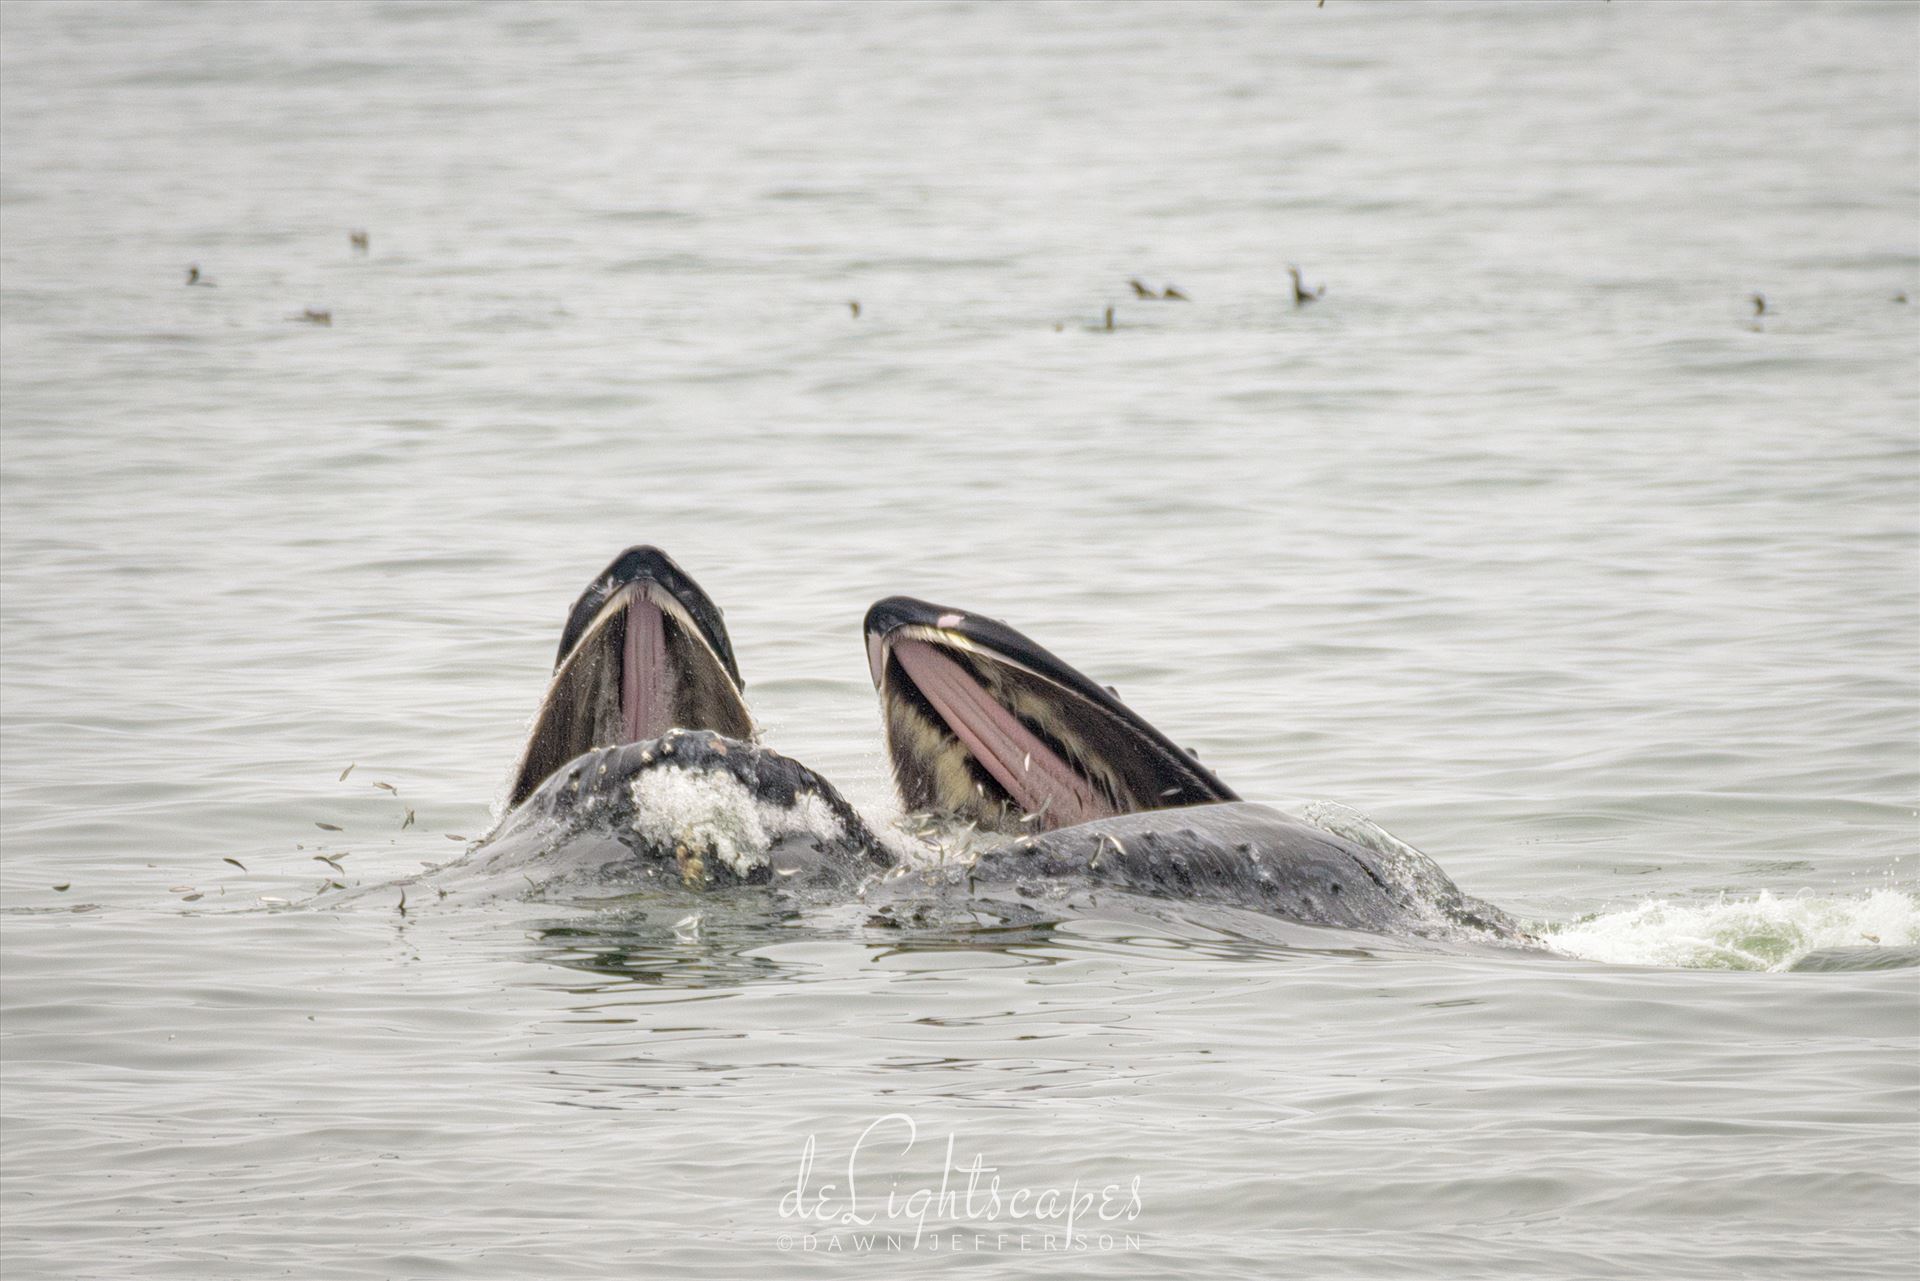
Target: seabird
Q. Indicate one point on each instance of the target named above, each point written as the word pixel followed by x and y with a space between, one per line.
pixel 1300 295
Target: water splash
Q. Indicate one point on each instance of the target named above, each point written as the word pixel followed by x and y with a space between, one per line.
pixel 714 812
pixel 1758 932
pixel 1419 882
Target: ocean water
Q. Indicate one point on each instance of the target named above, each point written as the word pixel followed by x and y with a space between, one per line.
pixel 1528 540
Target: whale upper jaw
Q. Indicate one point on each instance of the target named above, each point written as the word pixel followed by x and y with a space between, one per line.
pixel 984 724
pixel 644 650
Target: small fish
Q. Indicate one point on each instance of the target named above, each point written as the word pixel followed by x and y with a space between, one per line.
pixel 1169 791
pixel 272 900
pixel 195 278
pixel 388 787
pixel 1027 763
pixel 194 897
pixel 409 821
pixel 329 827
pixel 402 906
pixel 455 836
pixel 687 927
pixel 179 889
pixel 1141 291
pixel 1039 813
pixel 359 241
pixel 314 316
pixel 1759 302
pixel 236 862
pixel 853 305
pixel 1174 295
pixel 348 770
pixel 63 887
pixel 322 858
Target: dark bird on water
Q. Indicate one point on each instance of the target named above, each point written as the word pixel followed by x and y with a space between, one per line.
pixel 853 305
pixel 358 239
pixel 1301 297
pixel 1146 291
pixel 195 278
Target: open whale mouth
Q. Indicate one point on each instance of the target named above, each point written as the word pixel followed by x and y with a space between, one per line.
pixel 644 651
pixel 983 724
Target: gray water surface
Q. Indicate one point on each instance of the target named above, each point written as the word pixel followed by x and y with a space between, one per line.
pixel 1528 540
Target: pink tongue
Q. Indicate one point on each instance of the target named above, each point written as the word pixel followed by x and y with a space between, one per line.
pixel 644 710
pixel 1037 779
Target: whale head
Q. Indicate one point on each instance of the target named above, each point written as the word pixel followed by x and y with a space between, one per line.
pixel 984 724
pixel 644 651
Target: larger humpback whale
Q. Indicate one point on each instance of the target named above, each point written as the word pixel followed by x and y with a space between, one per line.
pixel 985 725
pixel 642 768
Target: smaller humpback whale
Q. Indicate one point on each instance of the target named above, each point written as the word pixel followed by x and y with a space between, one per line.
pixel 1301 295
pixel 641 770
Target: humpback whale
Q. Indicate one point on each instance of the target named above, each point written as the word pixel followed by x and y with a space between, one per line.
pixel 986 726
pixel 642 761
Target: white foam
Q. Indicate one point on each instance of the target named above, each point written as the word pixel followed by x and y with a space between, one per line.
pixel 1760 932
pixel 713 812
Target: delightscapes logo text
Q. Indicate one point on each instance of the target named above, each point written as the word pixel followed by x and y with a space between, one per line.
pixel 884 1198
